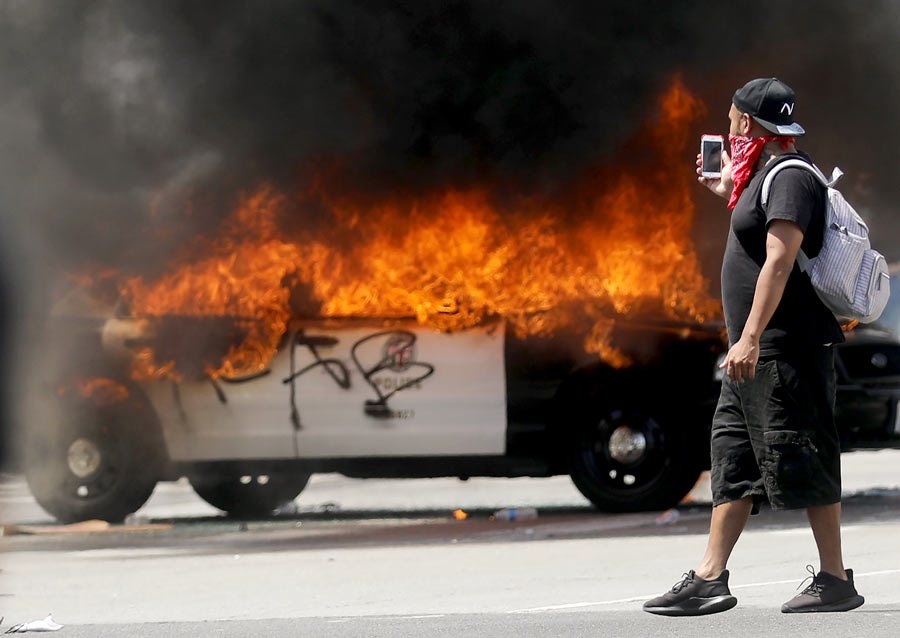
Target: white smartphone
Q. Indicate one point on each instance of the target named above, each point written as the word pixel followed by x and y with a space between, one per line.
pixel 711 155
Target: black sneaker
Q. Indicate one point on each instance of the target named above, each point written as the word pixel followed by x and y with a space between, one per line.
pixel 824 593
pixel 693 596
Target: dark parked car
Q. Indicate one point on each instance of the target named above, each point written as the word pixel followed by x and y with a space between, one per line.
pixel 868 367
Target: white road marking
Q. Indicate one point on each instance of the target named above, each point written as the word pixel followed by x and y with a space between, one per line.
pixel 576 605
pixel 390 618
pixel 878 573
pixel 637 598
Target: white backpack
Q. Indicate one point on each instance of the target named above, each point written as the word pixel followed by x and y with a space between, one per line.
pixel 850 278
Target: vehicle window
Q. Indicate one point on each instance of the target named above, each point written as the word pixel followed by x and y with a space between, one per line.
pixel 890 318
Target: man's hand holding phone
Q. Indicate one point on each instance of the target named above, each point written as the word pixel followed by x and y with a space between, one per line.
pixel 722 184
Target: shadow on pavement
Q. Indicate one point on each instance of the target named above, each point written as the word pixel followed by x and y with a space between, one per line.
pixel 331 528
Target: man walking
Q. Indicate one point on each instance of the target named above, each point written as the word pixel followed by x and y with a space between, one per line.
pixel 773 434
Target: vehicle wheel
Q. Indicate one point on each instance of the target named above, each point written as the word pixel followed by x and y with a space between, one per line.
pixel 626 460
pixel 90 461
pixel 249 495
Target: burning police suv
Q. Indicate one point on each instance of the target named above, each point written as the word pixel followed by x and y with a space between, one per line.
pixel 446 331
pixel 367 398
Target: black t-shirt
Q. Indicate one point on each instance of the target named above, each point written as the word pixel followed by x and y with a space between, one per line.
pixel 801 320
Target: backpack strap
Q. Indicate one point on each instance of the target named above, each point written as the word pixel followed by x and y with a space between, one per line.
pixel 798 163
pixel 836 174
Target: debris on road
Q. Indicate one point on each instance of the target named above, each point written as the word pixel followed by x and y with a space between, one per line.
pixel 288 509
pixel 137 519
pixel 668 517
pixel 460 515
pixel 701 492
pixel 47 624
pixel 84 527
pixel 515 514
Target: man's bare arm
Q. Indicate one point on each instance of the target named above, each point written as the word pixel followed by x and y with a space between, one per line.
pixel 782 245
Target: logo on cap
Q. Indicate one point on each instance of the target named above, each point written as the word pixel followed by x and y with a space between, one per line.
pixel 789 107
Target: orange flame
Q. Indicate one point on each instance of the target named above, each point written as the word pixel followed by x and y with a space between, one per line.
pixel 102 391
pixel 615 245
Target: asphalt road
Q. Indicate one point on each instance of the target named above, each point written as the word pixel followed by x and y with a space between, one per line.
pixel 739 622
pixel 373 558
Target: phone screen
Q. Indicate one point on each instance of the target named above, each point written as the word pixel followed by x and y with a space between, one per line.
pixel 712 156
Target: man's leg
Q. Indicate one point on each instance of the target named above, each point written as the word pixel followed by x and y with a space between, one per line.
pixel 734 474
pixel 705 591
pixel 832 589
pixel 825 521
pixel 725 526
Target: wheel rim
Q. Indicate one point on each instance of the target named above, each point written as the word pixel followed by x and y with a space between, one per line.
pixel 93 465
pixel 625 452
pixel 627 445
pixel 84 458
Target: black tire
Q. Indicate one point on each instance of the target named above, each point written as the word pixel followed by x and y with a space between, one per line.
pixel 250 495
pixel 89 461
pixel 657 479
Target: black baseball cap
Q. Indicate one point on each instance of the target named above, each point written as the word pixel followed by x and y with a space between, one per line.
pixel 770 102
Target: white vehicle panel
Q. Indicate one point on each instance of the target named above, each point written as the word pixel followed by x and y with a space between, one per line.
pixel 198 426
pixel 449 398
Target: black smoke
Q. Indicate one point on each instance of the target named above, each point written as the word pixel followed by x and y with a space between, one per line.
pixel 121 111
pixel 127 126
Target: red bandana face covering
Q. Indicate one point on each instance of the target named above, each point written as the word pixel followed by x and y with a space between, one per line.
pixel 745 152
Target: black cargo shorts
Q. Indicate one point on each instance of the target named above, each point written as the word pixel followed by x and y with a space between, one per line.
pixel 774 437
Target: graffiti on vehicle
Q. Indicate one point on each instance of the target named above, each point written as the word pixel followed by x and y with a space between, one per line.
pixel 334 367
pixel 397 354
